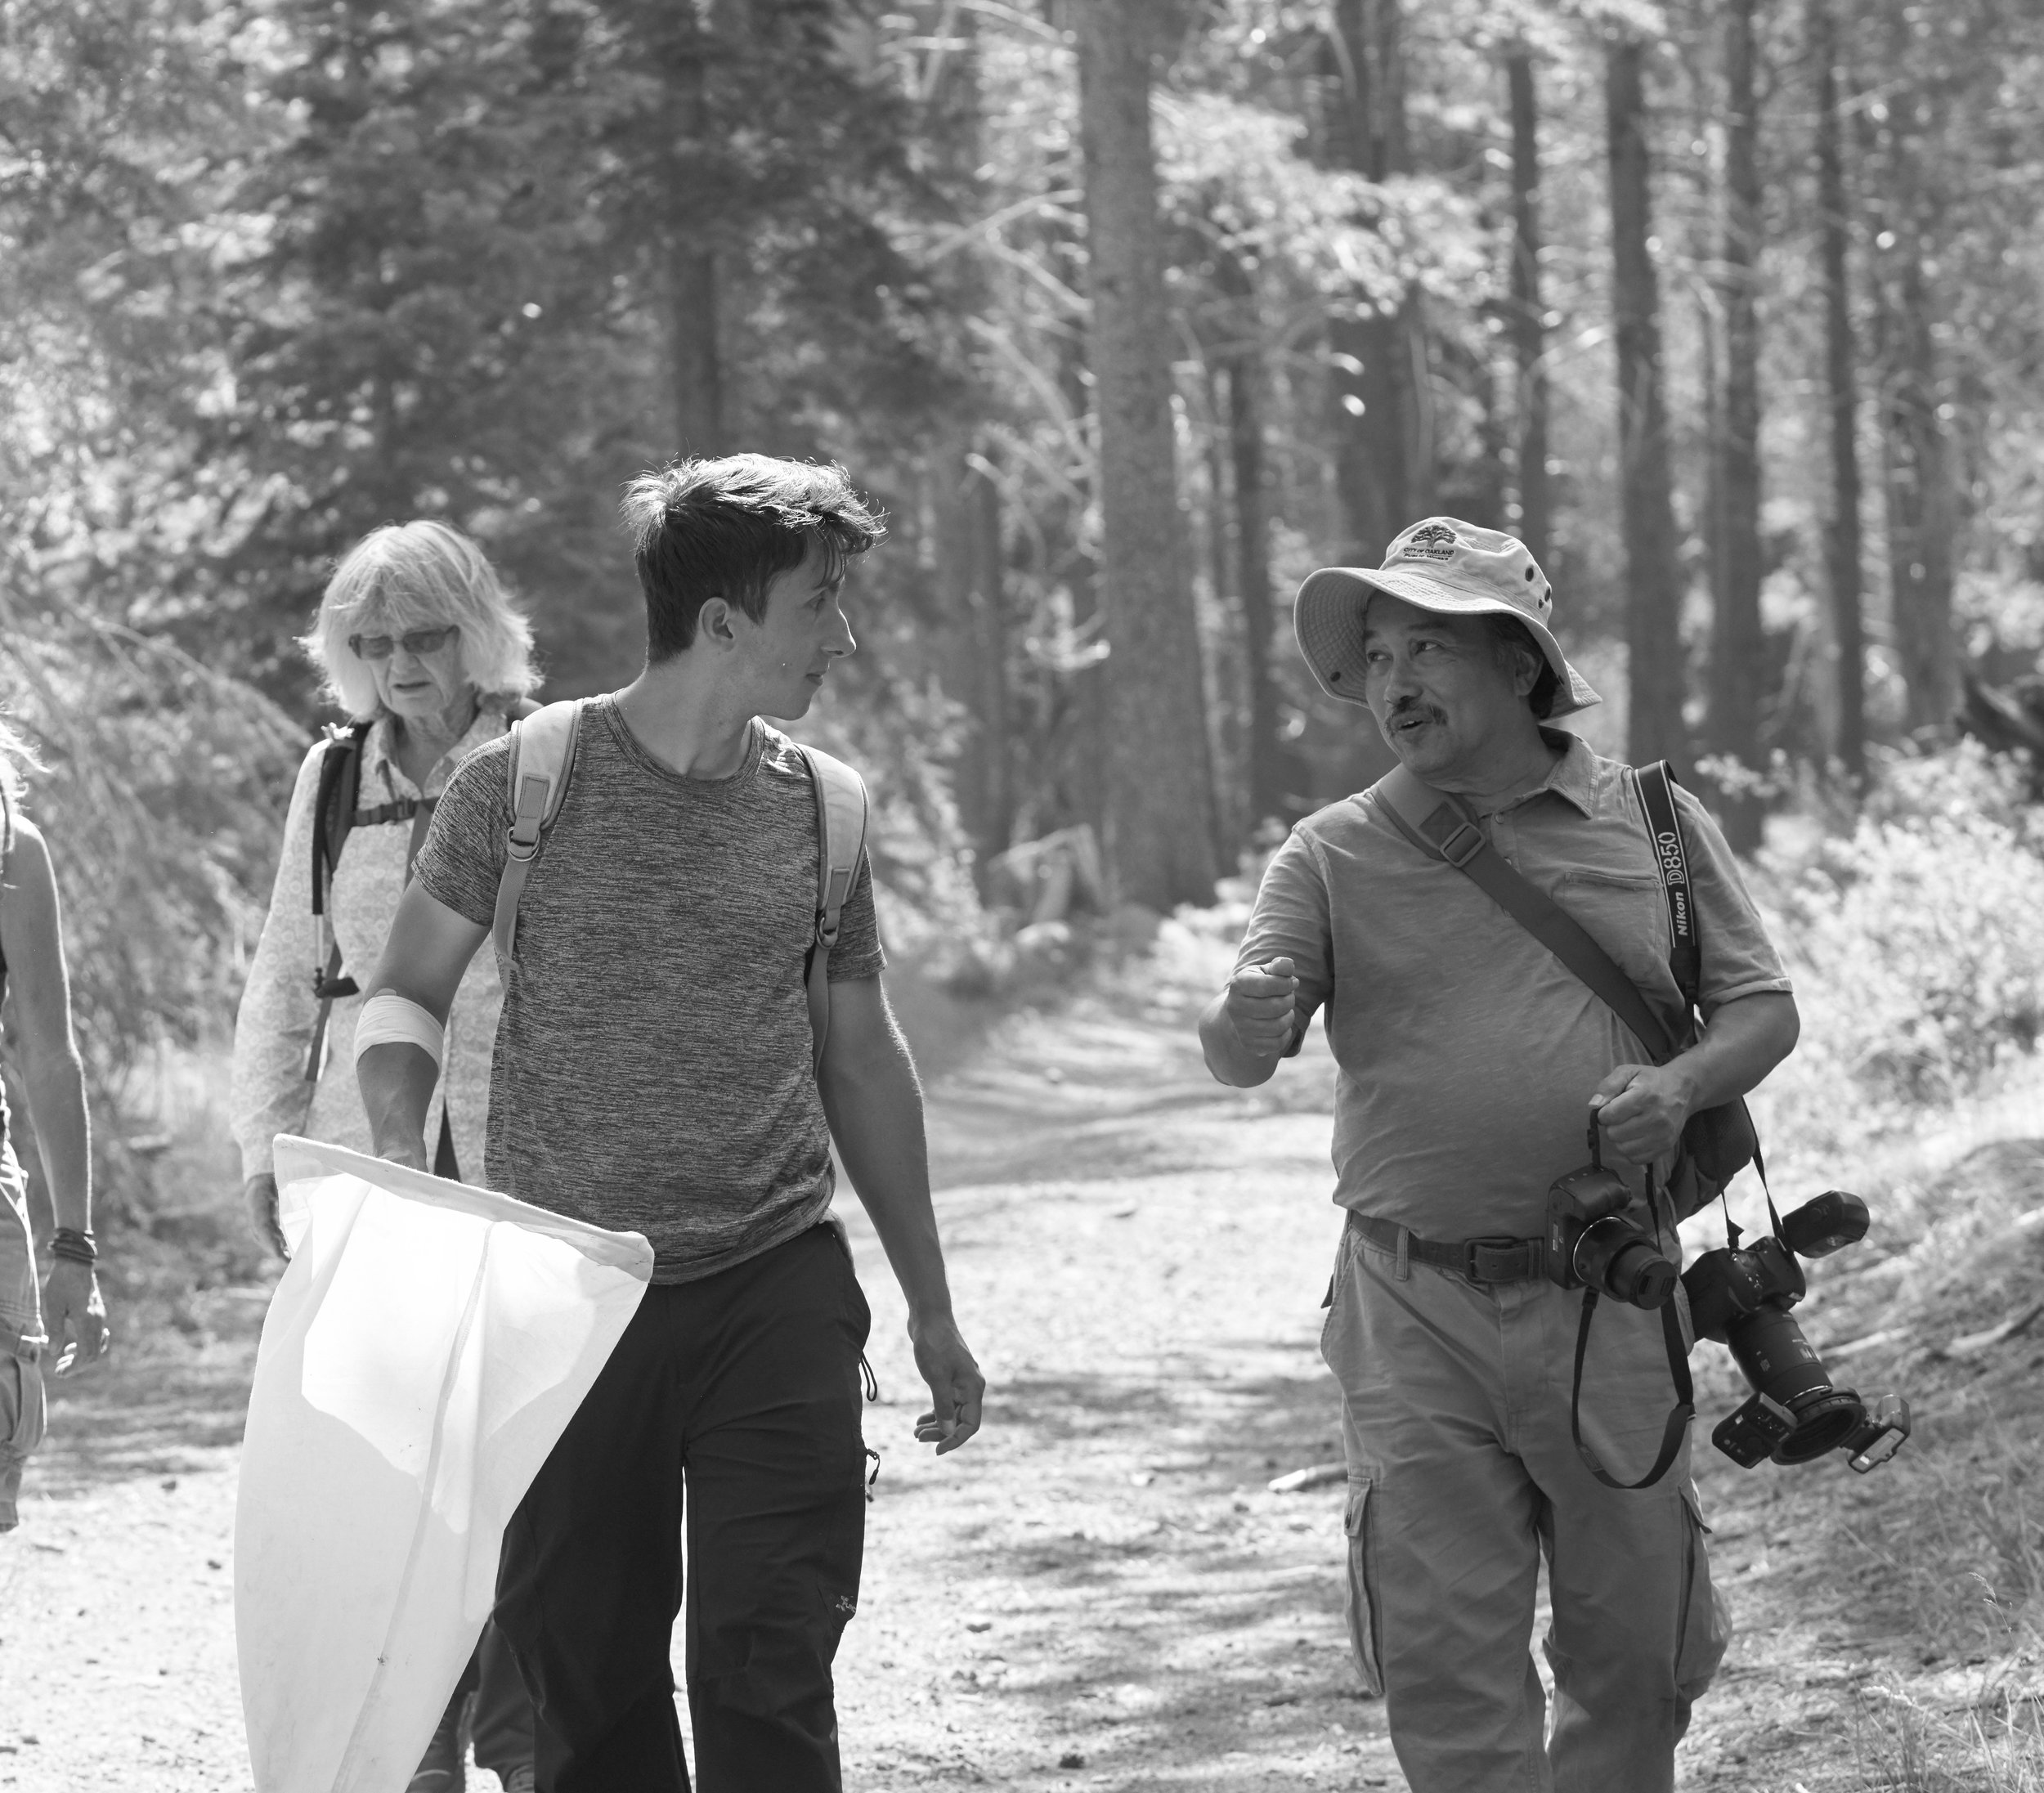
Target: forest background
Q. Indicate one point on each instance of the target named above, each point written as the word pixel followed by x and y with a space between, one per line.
pixel 1129 315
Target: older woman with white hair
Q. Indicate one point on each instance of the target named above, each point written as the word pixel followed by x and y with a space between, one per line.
pixel 419 644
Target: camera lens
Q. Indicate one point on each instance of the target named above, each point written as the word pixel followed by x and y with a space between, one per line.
pixel 1780 1363
pixel 1617 1258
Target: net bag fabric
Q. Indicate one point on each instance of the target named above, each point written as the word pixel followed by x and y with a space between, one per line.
pixel 425 1348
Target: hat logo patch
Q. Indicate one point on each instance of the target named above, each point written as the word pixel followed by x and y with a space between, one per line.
pixel 1432 541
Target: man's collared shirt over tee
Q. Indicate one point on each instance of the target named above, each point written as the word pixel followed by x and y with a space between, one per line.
pixel 1467 1051
pixel 653 1066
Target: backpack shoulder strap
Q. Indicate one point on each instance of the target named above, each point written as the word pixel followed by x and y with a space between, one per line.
pixel 1656 785
pixel 841 813
pixel 1441 828
pixel 333 804
pixel 538 767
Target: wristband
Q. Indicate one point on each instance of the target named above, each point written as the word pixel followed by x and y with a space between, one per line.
pixel 388 1019
pixel 68 1242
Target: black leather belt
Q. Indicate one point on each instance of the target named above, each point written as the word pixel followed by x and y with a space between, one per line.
pixel 1492 1259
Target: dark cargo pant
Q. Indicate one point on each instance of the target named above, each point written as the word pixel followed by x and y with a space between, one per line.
pixel 743 1388
pixel 1461 1473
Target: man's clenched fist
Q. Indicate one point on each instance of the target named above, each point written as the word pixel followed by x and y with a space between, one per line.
pixel 1261 1001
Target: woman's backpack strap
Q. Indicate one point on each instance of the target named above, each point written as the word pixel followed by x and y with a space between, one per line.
pixel 333 804
pixel 538 767
pixel 841 814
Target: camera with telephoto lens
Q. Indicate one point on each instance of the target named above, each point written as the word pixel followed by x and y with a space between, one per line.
pixel 1741 1297
pixel 1591 1245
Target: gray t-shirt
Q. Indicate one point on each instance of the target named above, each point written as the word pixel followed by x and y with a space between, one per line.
pixel 652 1069
pixel 1467 1050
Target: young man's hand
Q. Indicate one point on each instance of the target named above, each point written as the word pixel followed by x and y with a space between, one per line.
pixel 411 1153
pixel 956 1384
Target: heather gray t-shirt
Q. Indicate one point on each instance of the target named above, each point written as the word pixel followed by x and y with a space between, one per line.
pixel 652 1069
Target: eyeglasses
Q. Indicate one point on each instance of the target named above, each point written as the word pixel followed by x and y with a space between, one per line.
pixel 413 641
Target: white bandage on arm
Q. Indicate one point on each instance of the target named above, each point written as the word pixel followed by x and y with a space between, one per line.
pixel 388 1019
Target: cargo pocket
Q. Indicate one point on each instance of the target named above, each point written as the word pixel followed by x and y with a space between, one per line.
pixel 1360 1605
pixel 1704 1625
pixel 22 1416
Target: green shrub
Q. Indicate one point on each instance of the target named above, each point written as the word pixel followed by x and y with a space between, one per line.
pixel 1914 939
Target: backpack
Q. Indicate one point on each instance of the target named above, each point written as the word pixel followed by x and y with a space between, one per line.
pixel 539 767
pixel 334 817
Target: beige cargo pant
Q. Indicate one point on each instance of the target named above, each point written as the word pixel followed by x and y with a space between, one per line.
pixel 1461 1473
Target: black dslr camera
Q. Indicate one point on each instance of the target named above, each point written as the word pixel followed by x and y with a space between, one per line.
pixel 1741 1297
pixel 1590 1245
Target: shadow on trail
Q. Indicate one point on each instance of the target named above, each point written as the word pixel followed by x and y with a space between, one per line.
pixel 1177 1611
pixel 154 1415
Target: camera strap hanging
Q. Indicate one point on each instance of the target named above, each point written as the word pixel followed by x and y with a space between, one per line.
pixel 1676 1426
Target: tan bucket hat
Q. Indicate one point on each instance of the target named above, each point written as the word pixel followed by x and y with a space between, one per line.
pixel 1444 565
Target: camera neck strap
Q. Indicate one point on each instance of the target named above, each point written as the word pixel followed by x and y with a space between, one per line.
pixel 1655 785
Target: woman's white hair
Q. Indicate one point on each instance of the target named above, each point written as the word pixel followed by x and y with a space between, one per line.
pixel 419 574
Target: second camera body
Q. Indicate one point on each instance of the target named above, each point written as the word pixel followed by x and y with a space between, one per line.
pixel 1741 1297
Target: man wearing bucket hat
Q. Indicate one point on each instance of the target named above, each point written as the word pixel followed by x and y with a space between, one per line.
pixel 1471 1059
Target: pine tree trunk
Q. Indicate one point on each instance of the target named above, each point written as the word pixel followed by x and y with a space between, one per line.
pixel 1841 533
pixel 697 368
pixel 1529 330
pixel 1921 507
pixel 1656 728
pixel 974 642
pixel 1246 394
pixel 971 565
pixel 1159 845
pixel 1383 421
pixel 1737 658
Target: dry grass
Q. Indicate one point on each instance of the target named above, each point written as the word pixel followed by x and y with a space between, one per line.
pixel 1902 1744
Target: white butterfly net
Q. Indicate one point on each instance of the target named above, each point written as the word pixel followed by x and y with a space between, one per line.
pixel 426 1348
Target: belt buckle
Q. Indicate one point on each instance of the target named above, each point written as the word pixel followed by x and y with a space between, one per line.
pixel 1494 1243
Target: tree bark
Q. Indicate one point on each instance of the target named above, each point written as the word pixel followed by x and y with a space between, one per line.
pixel 973 647
pixel 1737 658
pixel 1160 844
pixel 1246 385
pixel 1841 533
pixel 1528 312
pixel 1920 506
pixel 697 368
pixel 1382 420
pixel 971 564
pixel 1655 728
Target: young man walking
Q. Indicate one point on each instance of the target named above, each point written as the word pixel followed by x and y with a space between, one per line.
pixel 653 1072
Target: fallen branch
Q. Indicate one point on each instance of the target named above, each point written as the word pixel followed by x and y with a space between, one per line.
pixel 1971 1344
pixel 1852 1347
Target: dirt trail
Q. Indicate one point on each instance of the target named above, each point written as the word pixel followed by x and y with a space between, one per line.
pixel 1099 1591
